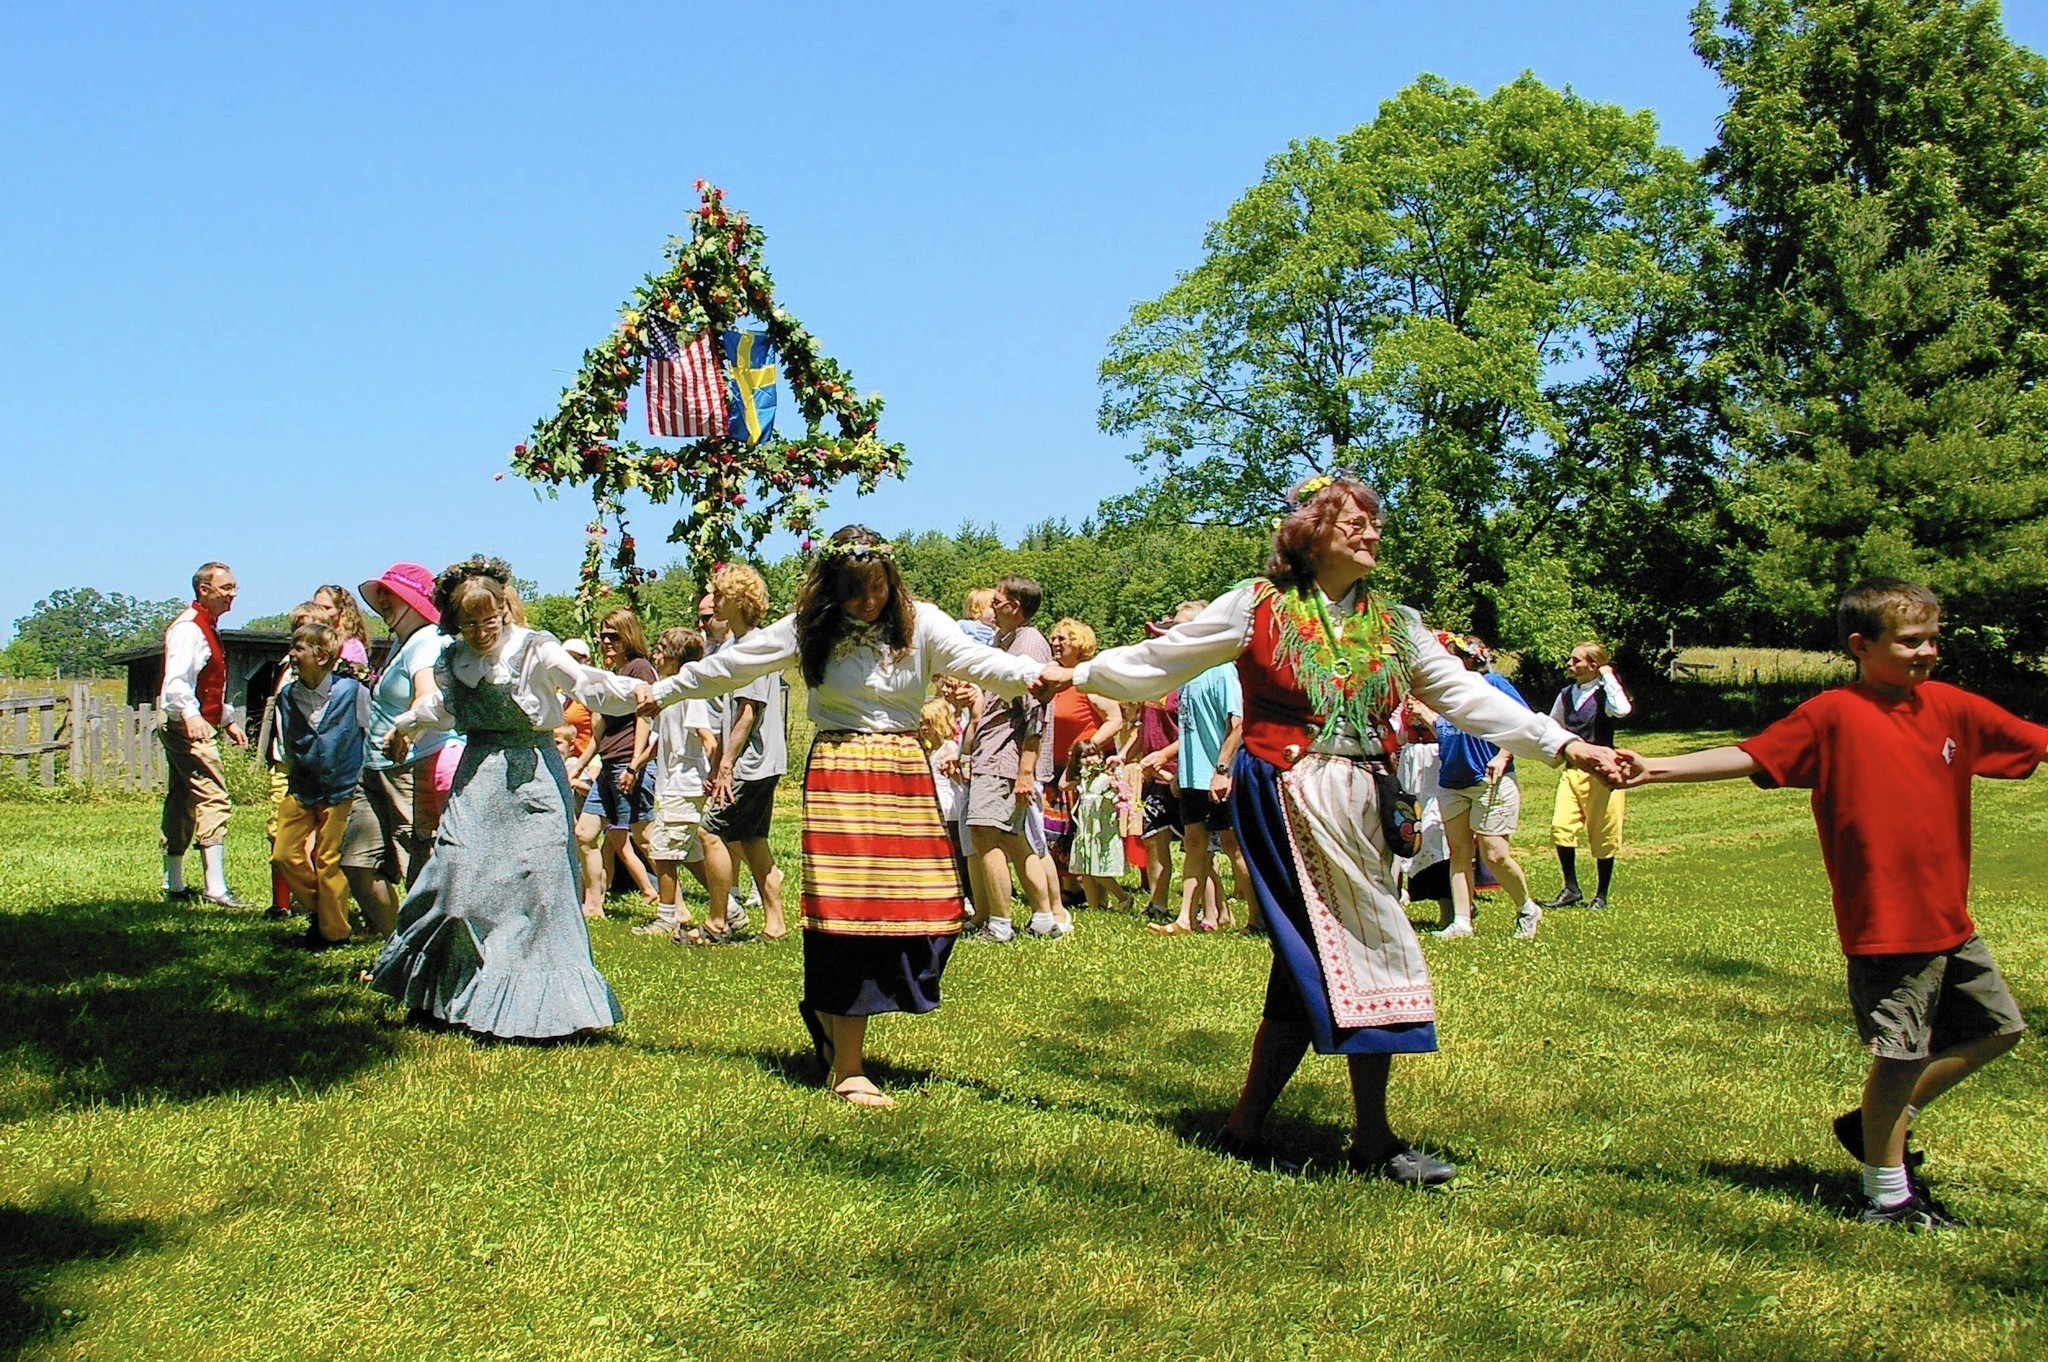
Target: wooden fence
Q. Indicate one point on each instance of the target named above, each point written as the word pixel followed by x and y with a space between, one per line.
pixel 78 736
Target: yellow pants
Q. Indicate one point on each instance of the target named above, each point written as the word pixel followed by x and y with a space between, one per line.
pixel 316 878
pixel 1585 803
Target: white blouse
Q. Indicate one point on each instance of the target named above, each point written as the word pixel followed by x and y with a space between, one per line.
pixel 866 689
pixel 1148 670
pixel 538 668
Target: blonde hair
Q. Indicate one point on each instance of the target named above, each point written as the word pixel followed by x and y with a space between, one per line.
pixel 1595 651
pixel 979 599
pixel 515 609
pixel 1077 633
pixel 745 588
pixel 936 723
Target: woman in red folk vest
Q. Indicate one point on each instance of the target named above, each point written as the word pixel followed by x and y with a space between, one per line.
pixel 1326 664
pixel 193 701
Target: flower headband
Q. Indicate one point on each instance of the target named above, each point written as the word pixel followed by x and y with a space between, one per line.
pixel 1306 492
pixel 861 553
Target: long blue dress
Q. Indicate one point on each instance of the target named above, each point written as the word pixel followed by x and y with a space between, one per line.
pixel 491 936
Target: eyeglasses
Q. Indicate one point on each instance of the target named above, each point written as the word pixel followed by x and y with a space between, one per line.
pixel 607 637
pixel 1358 529
pixel 706 617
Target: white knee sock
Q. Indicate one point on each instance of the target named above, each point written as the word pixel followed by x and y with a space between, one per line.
pixel 216 873
pixel 174 874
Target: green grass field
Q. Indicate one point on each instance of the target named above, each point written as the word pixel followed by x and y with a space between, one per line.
pixel 216 1147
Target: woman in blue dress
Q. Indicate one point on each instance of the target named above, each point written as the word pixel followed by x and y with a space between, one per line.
pixel 491 936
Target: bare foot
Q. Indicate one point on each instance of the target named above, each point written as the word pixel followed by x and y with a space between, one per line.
pixel 861 1093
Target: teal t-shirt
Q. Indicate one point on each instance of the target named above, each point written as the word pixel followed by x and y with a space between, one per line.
pixel 392 696
pixel 1206 706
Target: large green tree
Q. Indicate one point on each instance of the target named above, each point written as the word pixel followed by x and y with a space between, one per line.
pixel 72 631
pixel 1489 308
pixel 1885 163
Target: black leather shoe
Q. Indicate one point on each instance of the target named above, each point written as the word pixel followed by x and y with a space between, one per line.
pixel 1566 897
pixel 1597 904
pixel 1401 1164
pixel 186 895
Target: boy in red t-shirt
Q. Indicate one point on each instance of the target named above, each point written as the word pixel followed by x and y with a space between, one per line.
pixel 1889 759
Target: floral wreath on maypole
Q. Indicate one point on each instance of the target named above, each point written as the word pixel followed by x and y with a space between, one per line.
pixel 738 491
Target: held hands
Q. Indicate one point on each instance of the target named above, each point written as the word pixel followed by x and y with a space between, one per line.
pixel 1604 762
pixel 1026 787
pixel 719 794
pixel 1219 786
pixel 1051 681
pixel 1636 768
pixel 397 745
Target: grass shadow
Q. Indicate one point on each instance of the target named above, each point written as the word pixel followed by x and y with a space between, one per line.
pixel 38 1240
pixel 1794 1181
pixel 112 1001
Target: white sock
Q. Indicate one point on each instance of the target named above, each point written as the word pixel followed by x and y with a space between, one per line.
pixel 1886 1186
pixel 174 874
pixel 216 873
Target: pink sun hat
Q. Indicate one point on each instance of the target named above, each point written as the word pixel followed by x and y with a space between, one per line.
pixel 409 582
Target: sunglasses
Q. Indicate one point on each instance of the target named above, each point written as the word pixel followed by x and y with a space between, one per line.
pixel 607 638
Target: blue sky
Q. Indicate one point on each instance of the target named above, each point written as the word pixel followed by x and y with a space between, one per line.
pixel 284 284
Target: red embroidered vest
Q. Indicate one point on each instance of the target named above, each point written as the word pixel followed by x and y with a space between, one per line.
pixel 1278 723
pixel 213 677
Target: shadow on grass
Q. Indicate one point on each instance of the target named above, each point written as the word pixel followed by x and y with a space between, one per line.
pixel 38 1240
pixel 114 1001
pixel 1794 1180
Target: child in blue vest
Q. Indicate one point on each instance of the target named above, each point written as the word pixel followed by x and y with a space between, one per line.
pixel 322 717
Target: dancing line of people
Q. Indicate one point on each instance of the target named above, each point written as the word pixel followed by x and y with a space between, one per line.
pixel 1284 730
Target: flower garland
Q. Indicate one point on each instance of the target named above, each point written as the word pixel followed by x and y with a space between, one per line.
pixel 1357 670
pixel 735 492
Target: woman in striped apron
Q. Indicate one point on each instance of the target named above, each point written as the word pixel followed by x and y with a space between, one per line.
pixel 881 899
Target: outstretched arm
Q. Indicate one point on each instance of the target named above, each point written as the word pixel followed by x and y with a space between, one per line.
pixel 1713 763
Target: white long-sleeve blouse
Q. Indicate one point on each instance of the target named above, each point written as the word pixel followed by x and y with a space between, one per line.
pixel 867 688
pixel 537 668
pixel 1148 670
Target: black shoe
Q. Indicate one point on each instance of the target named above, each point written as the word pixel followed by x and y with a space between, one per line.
pixel 186 895
pixel 1401 1164
pixel 1916 1212
pixel 1154 913
pixel 311 940
pixel 276 913
pixel 1257 1153
pixel 1597 904
pixel 1849 1135
pixel 1566 897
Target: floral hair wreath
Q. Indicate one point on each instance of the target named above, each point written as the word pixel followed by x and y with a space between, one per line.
pixel 1307 491
pixel 455 574
pixel 861 553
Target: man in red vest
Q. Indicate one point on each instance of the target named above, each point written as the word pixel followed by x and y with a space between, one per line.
pixel 195 711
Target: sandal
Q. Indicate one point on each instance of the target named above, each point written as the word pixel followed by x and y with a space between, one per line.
pixel 859 1091
pixel 1169 929
pixel 706 935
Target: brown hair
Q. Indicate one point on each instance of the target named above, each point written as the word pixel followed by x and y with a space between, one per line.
pixel 319 634
pixel 680 645
pixel 204 574
pixel 1292 564
pixel 632 636
pixel 460 583
pixel 744 587
pixel 1082 637
pixel 466 593
pixel 307 610
pixel 348 616
pixel 1879 603
pixel 1025 593
pixel 852 559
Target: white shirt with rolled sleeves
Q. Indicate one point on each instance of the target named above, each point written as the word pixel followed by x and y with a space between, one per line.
pixel 1618 704
pixel 864 690
pixel 1148 670
pixel 546 671
pixel 185 656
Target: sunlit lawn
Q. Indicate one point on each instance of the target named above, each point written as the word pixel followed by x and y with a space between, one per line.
pixel 216 1147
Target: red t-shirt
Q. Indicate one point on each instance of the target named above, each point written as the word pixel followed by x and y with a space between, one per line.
pixel 1891 798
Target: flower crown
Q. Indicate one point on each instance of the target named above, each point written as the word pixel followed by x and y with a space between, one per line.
pixel 455 574
pixel 861 553
pixel 1306 492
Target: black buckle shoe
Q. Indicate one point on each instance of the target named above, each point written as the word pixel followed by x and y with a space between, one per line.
pixel 1566 897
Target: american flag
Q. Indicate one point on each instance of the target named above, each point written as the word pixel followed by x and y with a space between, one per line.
pixel 686 387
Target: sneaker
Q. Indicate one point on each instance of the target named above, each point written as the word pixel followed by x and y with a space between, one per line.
pixel 989 932
pixel 1527 921
pixel 1914 1213
pixel 1044 924
pixel 1402 1164
pixel 1457 931
pixel 1568 896
pixel 736 918
pixel 661 926
pixel 1597 904
pixel 1849 1135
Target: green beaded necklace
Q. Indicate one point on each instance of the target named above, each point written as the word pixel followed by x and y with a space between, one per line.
pixel 1356 670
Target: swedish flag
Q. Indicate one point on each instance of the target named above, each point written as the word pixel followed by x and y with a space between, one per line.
pixel 750 366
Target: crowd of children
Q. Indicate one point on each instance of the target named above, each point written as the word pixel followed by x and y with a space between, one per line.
pixel 956 771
